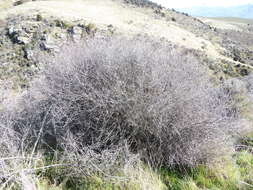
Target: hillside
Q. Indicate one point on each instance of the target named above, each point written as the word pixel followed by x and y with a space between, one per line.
pixel 123 95
pixel 45 25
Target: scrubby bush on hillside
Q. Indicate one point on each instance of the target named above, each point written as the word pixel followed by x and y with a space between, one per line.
pixel 238 44
pixel 108 102
pixel 143 3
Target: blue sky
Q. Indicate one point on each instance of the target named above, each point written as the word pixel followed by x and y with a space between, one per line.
pixel 191 3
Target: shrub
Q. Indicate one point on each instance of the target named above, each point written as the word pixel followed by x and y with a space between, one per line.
pixel 108 102
pixel 143 3
pixel 20 2
pixel 173 19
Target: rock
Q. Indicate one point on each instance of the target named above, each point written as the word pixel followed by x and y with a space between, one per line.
pixel 62 36
pixel 19 35
pixel 77 30
pixel 28 53
pixel 24 36
pixel 49 44
pixel 76 33
pixel 12 30
pixel 23 40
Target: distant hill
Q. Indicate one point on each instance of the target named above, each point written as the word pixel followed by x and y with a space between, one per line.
pixel 243 11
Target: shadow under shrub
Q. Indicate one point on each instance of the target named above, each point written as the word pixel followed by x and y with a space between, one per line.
pixel 107 100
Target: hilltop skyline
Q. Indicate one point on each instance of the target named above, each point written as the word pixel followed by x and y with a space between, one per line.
pixel 201 3
pixel 242 11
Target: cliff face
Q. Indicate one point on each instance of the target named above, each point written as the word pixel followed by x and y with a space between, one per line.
pixel 31 27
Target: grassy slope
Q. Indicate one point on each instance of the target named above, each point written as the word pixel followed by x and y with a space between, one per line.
pixel 126 19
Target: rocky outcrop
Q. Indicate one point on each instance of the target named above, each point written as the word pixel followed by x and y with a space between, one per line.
pixel 22 37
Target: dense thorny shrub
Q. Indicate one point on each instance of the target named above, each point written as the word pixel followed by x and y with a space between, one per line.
pixel 106 100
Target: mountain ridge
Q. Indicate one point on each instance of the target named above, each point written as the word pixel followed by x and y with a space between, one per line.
pixel 242 11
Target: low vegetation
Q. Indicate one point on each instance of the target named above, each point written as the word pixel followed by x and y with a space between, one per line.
pixel 122 113
pixel 118 113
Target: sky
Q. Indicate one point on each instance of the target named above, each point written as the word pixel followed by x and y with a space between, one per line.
pixel 193 3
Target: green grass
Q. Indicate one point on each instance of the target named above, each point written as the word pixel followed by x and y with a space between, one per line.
pixel 234 173
pixel 93 183
pixel 231 173
pixel 228 175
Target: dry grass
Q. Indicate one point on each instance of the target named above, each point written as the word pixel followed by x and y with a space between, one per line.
pixel 125 19
pixel 5 4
